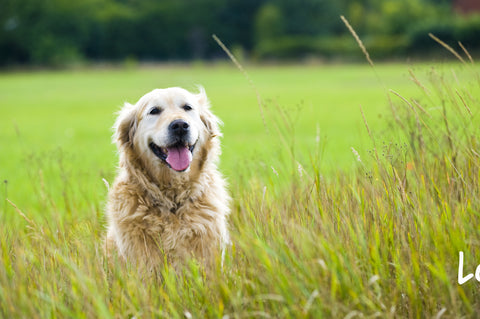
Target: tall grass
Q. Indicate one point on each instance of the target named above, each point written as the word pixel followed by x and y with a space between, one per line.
pixel 383 242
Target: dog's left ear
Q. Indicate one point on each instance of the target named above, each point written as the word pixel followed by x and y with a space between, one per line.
pixel 125 126
pixel 210 121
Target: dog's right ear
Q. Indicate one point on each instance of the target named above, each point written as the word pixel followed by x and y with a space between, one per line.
pixel 125 126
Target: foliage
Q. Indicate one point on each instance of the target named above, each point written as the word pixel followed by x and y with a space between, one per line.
pixel 451 31
pixel 269 23
pixel 60 32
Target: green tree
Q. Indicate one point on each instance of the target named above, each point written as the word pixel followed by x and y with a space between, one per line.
pixel 269 23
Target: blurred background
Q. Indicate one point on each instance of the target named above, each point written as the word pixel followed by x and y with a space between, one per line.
pixel 58 33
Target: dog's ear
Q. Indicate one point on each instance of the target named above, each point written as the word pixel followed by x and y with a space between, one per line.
pixel 125 126
pixel 210 121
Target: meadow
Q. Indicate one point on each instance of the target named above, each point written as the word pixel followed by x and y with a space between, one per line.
pixel 354 190
pixel 63 119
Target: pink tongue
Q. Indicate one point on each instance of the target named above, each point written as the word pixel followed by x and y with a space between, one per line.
pixel 179 158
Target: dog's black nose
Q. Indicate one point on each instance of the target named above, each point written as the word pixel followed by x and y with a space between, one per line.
pixel 179 127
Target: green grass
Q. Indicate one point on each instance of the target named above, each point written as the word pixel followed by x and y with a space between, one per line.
pixel 45 113
pixel 316 232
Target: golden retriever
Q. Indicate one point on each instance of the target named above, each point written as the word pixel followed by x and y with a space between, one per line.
pixel 169 201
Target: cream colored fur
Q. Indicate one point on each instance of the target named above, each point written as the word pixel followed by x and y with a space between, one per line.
pixel 156 214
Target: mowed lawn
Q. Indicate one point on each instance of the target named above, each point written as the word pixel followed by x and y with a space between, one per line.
pixel 58 123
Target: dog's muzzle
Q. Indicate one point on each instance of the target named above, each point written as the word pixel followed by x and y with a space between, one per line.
pixel 178 153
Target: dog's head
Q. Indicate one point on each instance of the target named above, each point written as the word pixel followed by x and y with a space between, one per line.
pixel 167 129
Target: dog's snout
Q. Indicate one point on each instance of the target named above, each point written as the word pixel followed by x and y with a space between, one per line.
pixel 179 127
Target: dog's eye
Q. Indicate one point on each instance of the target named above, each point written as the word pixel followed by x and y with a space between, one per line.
pixel 155 111
pixel 187 107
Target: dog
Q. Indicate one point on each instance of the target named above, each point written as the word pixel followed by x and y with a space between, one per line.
pixel 168 202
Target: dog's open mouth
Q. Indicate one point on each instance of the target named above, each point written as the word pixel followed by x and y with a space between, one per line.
pixel 177 156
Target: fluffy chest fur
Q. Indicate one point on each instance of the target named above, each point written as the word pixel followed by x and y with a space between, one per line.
pixel 149 228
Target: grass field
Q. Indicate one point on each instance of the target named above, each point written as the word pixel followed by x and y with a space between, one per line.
pixel 46 117
pixel 318 231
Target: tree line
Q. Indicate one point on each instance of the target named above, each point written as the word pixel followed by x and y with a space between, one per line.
pixel 57 32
